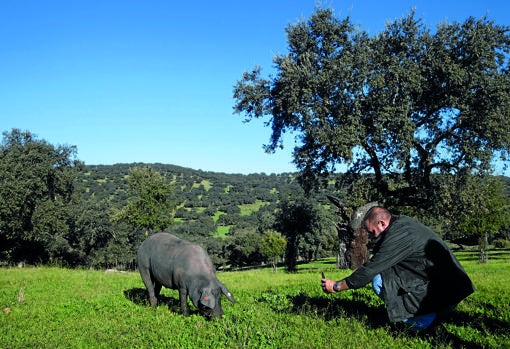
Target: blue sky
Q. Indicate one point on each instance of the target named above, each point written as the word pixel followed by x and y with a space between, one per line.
pixel 151 81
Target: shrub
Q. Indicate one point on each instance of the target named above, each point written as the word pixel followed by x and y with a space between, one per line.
pixel 501 243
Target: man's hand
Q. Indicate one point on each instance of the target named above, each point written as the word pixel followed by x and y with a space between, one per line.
pixel 327 285
pixel 330 286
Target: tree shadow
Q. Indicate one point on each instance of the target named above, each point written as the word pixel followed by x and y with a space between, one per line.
pixel 375 316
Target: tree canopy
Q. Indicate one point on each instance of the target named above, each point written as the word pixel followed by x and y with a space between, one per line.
pixel 150 206
pixel 405 104
pixel 273 246
pixel 307 228
pixel 37 184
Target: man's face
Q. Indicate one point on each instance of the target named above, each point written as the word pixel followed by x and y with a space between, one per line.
pixel 375 229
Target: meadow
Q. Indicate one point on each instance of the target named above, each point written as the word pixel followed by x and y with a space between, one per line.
pixel 50 307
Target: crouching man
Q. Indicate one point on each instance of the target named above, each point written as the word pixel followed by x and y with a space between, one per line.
pixel 411 269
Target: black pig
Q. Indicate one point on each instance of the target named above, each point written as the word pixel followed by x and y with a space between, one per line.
pixel 166 260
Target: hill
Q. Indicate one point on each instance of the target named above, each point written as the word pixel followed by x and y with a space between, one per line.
pixel 209 205
pixel 212 198
pixel 202 193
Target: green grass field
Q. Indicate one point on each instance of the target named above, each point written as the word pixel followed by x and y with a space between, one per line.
pixel 60 308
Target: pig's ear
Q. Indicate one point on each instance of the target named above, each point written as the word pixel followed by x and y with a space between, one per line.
pixel 207 298
pixel 226 292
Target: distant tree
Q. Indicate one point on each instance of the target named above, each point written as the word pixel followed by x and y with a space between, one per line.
pixel 203 226
pixel 120 251
pixel 266 218
pixel 149 207
pixel 232 210
pixel 215 247
pixel 299 221
pixel 345 232
pixel 227 219
pixel 51 234
pixel 90 231
pixel 322 237
pixel 209 211
pixel 37 186
pixel 243 248
pixel 406 104
pixel 273 246
pixel 481 209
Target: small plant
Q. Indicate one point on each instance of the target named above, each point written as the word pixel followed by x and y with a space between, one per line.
pixel 277 301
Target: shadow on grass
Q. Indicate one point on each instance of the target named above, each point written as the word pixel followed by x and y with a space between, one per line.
pixel 330 308
pixel 139 296
pixel 438 334
pixel 480 322
pixel 374 316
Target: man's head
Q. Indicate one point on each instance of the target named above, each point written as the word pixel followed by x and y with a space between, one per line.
pixel 376 220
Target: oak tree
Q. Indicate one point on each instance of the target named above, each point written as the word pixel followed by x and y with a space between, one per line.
pixel 405 105
pixel 37 187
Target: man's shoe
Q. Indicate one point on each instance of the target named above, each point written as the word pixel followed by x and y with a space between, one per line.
pixel 420 322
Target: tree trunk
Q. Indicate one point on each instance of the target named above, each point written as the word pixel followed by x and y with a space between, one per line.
pixel 342 260
pixel 291 253
pixel 358 252
pixel 274 263
pixel 483 257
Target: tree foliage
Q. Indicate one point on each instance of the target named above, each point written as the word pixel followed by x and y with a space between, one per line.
pixel 483 210
pixel 243 248
pixel 272 247
pixel 306 228
pixel 150 207
pixel 405 104
pixel 37 186
pixel 91 230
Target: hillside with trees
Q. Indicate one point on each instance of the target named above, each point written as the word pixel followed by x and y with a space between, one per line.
pixel 229 214
pixel 57 210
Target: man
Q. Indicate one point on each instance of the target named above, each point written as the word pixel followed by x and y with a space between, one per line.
pixel 411 269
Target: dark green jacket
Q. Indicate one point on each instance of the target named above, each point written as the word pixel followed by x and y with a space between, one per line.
pixel 420 273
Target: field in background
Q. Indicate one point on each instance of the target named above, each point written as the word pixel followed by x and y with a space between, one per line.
pixel 61 308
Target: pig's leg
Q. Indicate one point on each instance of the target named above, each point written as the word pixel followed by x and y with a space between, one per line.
pixel 149 284
pixel 183 297
pixel 157 288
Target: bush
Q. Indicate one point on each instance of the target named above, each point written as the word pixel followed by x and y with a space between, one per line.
pixel 501 243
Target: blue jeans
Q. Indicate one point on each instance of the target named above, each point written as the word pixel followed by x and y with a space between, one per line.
pixel 418 322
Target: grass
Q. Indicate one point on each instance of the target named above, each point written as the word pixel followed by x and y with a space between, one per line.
pixel 47 307
pixel 222 231
pixel 248 209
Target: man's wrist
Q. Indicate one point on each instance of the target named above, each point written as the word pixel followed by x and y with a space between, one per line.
pixel 335 287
